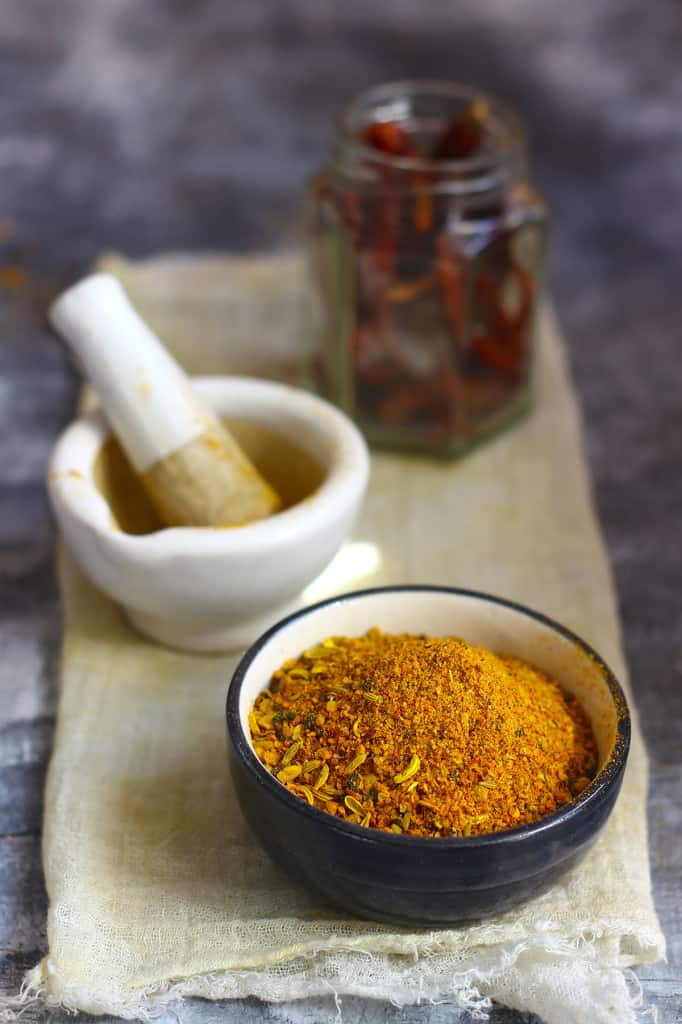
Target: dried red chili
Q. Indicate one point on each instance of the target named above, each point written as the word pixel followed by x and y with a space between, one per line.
pixel 464 135
pixel 450 270
pixel 388 137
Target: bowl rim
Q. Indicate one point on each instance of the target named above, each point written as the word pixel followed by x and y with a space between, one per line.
pixel 608 775
pixel 73 491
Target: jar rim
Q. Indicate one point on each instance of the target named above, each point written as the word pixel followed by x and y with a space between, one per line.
pixel 349 120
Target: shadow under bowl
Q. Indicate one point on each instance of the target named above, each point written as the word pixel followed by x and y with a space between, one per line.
pixel 412 880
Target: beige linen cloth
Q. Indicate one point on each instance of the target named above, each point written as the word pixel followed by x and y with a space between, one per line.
pixel 157 889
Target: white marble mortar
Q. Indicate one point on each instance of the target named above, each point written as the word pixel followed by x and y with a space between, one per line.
pixel 204 589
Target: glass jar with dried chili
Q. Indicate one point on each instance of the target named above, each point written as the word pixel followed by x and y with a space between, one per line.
pixel 426 252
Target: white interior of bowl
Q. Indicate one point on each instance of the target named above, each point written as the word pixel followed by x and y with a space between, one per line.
pixel 486 623
pixel 310 421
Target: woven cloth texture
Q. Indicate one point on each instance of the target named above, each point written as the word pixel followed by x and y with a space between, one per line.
pixel 157 889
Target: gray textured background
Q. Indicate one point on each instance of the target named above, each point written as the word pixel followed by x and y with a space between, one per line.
pixel 156 125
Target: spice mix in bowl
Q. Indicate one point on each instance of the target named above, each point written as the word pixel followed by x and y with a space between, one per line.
pixel 424 754
pixel 428 736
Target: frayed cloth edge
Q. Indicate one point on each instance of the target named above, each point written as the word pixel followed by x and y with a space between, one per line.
pixel 464 989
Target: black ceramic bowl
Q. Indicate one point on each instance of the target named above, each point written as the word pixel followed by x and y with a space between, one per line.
pixel 410 879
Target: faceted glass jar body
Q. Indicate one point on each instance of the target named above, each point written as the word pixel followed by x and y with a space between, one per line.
pixel 426 252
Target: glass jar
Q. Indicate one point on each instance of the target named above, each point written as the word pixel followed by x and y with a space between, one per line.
pixel 426 251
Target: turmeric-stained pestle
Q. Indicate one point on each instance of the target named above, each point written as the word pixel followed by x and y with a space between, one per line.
pixel 192 468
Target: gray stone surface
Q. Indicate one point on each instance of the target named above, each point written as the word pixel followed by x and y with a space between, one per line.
pixel 174 125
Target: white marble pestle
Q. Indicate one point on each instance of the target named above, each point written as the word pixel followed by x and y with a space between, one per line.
pixel 191 467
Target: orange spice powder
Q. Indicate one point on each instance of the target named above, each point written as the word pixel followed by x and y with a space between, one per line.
pixel 422 735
